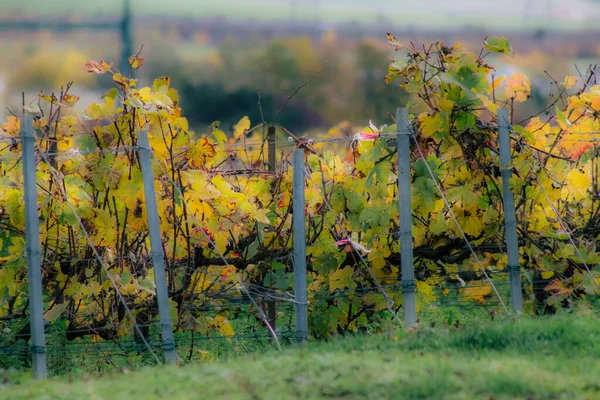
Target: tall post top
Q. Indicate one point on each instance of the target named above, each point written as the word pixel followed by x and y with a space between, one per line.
pixel 27 126
pixel 298 155
pixel 402 123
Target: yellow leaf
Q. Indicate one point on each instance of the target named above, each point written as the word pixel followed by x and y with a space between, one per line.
pixel 161 99
pixel 173 95
pixel 162 84
pixel 12 127
pixel 123 81
pixel 578 183
pixel 97 111
pixel 547 274
pixel 489 104
pixel 595 100
pixel 473 226
pixel 221 138
pixel 69 100
pixel 431 124
pixel 221 243
pixel 260 215
pixel 49 98
pixel 136 61
pixel 495 84
pixel 425 290
pixel 446 105
pixel 101 227
pixel 517 87
pixel 200 153
pixel 226 330
pixel 241 127
pixel 569 82
pixel 342 278
pixel 224 326
pixel 478 291
pixel 65 144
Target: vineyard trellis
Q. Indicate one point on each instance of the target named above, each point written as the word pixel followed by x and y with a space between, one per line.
pixel 151 239
pixel 299 253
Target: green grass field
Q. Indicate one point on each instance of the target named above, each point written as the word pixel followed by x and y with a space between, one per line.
pixel 552 358
pixel 511 14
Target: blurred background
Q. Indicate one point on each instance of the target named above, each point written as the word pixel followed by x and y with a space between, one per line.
pixel 221 53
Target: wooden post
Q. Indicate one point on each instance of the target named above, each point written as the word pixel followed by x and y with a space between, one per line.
pixel 404 205
pixel 510 218
pixel 156 249
pixel 32 239
pixel 299 240
pixel 272 160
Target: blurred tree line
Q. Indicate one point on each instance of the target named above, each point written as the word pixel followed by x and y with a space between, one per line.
pixel 219 78
pixel 346 82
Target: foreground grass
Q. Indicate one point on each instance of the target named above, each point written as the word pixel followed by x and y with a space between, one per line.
pixel 527 359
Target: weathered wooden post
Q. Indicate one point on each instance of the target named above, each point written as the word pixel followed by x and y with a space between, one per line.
pixel 299 240
pixel 404 205
pixel 510 219
pixel 156 250
pixel 32 239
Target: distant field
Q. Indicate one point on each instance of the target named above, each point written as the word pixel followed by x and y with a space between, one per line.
pixel 509 14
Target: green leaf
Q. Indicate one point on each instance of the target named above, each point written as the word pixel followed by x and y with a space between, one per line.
pixel 498 44
pixel 424 194
pixel 356 202
pixel 338 201
pixel 562 118
pixel 371 217
pixel 277 266
pixel 342 278
pixel 465 120
pixel 85 143
pixel 380 174
pixel 421 169
pixel 55 312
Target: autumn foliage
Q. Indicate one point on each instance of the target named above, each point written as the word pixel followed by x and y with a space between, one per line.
pixel 248 215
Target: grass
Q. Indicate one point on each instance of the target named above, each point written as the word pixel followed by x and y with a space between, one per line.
pixel 550 358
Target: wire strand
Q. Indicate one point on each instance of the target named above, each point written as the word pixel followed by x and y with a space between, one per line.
pixel 453 216
pixel 215 248
pixel 557 214
pixel 100 259
pixel 389 302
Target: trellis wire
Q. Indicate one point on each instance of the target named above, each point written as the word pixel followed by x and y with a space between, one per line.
pixel 453 216
pixel 215 248
pixel 559 218
pixel 254 290
pixel 389 302
pixel 99 258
